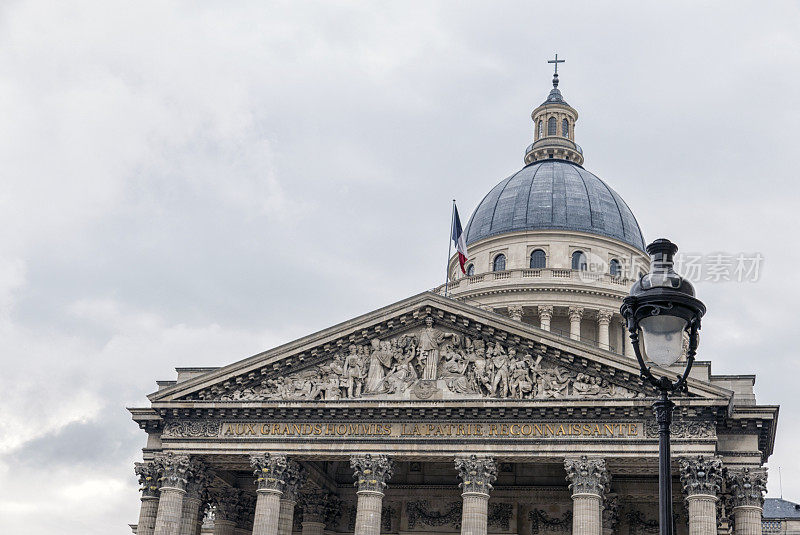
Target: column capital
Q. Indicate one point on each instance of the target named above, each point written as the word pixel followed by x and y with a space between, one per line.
pixel 270 471
pixel 748 486
pixel 545 310
pixel 315 505
pixel 227 503
pixel 515 312
pixel 575 313
pixel 604 316
pixel 148 473
pixel 294 477
pixel 587 475
pixel 371 471
pixel 701 475
pixel 198 478
pixel 173 468
pixel 477 474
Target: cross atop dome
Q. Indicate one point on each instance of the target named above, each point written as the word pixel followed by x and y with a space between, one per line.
pixel 556 61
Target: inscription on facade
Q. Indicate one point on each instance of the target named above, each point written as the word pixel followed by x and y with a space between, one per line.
pixel 433 430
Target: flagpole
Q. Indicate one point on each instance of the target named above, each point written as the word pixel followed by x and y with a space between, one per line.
pixel 449 248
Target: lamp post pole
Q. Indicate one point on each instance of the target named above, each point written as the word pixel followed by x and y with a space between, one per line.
pixel 663 309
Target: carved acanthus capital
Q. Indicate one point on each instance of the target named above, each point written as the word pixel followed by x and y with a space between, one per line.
pixel 294 477
pixel 477 473
pixel 173 470
pixel 747 486
pixel 604 316
pixel 148 474
pixel 270 471
pixel 610 513
pixel 546 311
pixel 371 471
pixel 515 312
pixel 575 313
pixel 228 504
pixel 587 475
pixel 701 475
pixel 315 505
pixel 198 478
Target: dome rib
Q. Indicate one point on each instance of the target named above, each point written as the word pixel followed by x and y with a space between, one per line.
pixel 557 195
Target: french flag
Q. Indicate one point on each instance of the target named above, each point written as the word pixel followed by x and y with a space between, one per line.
pixel 458 239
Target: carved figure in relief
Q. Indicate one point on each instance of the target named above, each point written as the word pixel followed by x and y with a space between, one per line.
pixel 429 341
pixel 521 382
pixel 352 373
pixel 380 360
pixel 500 361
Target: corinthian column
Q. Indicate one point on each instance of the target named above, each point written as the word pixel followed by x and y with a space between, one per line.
pixel 545 315
pixel 371 473
pixel 701 479
pixel 197 479
pixel 270 471
pixel 748 486
pixel 575 315
pixel 603 321
pixel 227 509
pixel 477 475
pixel 315 508
pixel 588 480
pixel 173 487
pixel 293 479
pixel 148 479
pixel 515 312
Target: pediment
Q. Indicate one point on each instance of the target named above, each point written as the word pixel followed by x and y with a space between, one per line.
pixel 426 347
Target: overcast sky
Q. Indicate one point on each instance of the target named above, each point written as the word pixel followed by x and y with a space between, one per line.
pixel 190 183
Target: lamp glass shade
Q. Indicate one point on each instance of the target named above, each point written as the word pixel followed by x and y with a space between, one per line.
pixel 663 338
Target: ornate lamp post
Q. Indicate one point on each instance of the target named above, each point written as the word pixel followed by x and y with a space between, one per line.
pixel 659 311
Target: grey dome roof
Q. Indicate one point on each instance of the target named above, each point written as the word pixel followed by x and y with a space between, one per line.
pixel 554 194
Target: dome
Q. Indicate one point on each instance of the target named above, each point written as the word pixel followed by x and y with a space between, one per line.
pixel 554 194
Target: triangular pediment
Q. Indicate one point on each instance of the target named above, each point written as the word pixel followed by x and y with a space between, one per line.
pixel 426 347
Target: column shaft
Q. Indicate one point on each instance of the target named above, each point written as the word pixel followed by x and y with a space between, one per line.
pixel 545 315
pixel 286 517
pixel 313 528
pixel 170 509
pixel 475 514
pixel 224 527
pixel 603 335
pixel 702 514
pixel 147 516
pixel 585 514
pixel 368 512
pixel 575 315
pixel 268 506
pixel 747 520
pixel 191 510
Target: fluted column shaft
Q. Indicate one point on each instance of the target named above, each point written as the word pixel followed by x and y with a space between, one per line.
pixel 603 335
pixel 268 507
pixel 147 516
pixel 371 473
pixel 702 514
pixel 545 315
pixel 575 315
pixel 224 527
pixel 313 528
pixel 747 520
pixel 589 480
pixel 170 510
pixel 477 475
pixel 189 516
pixel 286 516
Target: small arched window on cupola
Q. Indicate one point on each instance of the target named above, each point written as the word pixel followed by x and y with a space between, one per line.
pixel 565 128
pixel 614 268
pixel 538 259
pixel 551 126
pixel 541 129
pixel 579 261
pixel 499 263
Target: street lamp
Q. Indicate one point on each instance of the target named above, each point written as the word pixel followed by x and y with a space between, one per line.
pixel 660 311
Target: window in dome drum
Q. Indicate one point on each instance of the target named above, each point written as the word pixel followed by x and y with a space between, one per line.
pixel 614 268
pixel 565 128
pixel 470 270
pixel 499 263
pixel 538 259
pixel 551 126
pixel 579 261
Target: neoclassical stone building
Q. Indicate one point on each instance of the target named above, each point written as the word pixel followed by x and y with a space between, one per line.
pixel 509 406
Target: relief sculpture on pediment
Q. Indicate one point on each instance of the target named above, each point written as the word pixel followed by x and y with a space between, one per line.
pixel 427 363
